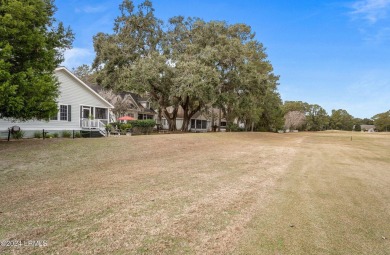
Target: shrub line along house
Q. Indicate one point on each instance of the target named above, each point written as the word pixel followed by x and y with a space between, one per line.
pixel 79 108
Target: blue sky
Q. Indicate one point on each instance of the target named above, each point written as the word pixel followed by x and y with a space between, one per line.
pixel 332 53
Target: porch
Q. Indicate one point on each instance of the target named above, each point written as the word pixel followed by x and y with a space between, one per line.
pixel 94 118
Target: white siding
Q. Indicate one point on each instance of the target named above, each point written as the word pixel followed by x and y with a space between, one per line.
pixel 179 123
pixel 72 92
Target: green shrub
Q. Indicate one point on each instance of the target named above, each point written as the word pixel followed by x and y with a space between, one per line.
pixel 18 134
pixel 137 126
pixel 262 129
pixel 357 127
pixel 56 135
pixel 143 123
pixel 37 134
pixel 77 135
pixel 142 126
pixel 115 124
pixel 49 135
pixel 125 126
pixel 232 127
pixel 108 127
pixel 66 134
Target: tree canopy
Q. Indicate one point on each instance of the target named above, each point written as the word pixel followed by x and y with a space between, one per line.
pixel 85 73
pixel 31 47
pixel 382 121
pixel 316 118
pixel 189 64
pixel 341 120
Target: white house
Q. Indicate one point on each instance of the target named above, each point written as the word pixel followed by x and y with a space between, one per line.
pixel 367 128
pixel 79 108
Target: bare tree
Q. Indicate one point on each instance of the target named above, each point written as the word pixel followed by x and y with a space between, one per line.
pixel 294 119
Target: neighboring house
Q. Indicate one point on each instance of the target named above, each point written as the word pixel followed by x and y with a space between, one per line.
pixel 141 107
pixel 200 121
pixel 367 128
pixel 79 108
pixel 128 103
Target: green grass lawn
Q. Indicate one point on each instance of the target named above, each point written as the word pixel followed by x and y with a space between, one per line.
pixel 213 193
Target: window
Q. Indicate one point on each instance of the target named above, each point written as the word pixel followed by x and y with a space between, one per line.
pixel 204 124
pixel 223 123
pixel 145 117
pixel 199 124
pixel 63 112
pixel 101 113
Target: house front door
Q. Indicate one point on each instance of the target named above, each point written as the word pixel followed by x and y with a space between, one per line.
pixel 86 116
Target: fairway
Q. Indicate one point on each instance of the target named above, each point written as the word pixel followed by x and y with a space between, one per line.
pixel 211 193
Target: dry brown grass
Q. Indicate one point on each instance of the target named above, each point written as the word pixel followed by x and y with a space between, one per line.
pixel 198 194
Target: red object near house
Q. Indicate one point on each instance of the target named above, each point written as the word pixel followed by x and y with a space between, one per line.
pixel 126 118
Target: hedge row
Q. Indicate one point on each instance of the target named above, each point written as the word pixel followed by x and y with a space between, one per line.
pixel 137 127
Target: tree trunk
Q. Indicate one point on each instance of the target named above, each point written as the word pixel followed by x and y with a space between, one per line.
pixel 171 118
pixel 253 124
pixel 159 121
pixel 212 119
pixel 185 106
pixel 172 124
pixel 219 119
pixel 186 120
pixel 187 117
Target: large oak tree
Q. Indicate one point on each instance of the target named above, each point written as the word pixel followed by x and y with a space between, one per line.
pixel 191 64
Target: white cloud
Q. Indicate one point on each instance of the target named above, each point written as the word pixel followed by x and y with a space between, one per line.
pixel 77 56
pixel 91 9
pixel 371 10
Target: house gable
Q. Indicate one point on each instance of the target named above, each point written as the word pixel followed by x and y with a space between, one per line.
pixel 74 90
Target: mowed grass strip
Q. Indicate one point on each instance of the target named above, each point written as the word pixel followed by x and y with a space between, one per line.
pixel 334 199
pixel 215 193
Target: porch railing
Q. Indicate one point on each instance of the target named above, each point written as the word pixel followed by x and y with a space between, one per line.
pixel 95 124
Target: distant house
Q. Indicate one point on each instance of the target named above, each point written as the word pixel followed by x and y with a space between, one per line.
pixel 137 107
pixel 367 128
pixel 79 108
pixel 200 121
pixel 141 107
